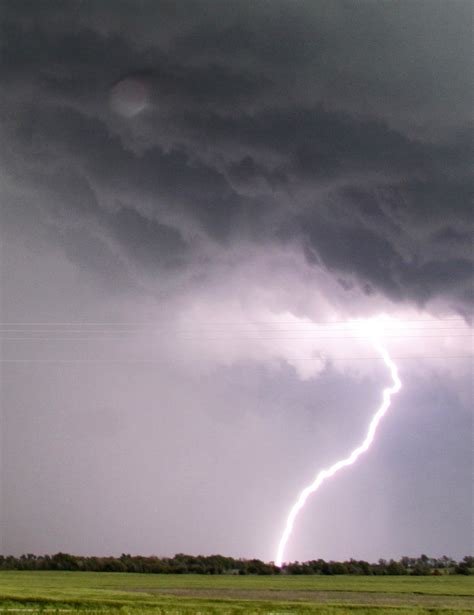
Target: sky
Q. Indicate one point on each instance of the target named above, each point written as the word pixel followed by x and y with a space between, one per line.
pixel 200 201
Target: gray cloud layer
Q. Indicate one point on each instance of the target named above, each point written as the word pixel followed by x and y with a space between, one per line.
pixel 273 126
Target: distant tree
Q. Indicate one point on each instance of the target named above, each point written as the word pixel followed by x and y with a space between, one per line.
pixel 466 566
pixel 64 561
pixel 395 568
pixel 218 564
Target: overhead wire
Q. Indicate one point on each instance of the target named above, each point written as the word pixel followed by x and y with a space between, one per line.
pixel 234 330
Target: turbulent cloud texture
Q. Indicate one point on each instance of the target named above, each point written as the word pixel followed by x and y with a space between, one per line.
pixel 274 126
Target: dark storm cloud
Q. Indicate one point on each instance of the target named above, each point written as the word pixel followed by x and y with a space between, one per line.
pixel 149 241
pixel 92 254
pixel 252 134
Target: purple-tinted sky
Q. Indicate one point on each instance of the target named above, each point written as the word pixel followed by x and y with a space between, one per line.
pixel 197 200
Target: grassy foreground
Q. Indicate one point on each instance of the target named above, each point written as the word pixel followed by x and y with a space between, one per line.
pixel 106 593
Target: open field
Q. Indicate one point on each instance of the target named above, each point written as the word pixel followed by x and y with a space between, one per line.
pixel 227 595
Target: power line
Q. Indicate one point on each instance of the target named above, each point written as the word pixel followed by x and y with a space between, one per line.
pixel 257 337
pixel 455 319
pixel 374 358
pixel 274 329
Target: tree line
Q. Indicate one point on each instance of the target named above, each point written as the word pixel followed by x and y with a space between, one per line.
pixel 218 564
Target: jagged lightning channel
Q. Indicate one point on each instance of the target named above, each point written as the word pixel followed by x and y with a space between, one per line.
pixel 324 474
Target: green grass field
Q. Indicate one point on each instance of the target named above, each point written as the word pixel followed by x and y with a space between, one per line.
pixel 107 593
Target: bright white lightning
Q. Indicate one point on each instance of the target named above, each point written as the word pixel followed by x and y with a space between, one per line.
pixel 323 474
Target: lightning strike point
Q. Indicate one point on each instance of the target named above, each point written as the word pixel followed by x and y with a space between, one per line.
pixel 328 473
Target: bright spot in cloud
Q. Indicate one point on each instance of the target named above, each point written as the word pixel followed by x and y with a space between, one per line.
pixel 129 97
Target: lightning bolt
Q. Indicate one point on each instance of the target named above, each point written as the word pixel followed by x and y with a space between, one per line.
pixel 369 438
